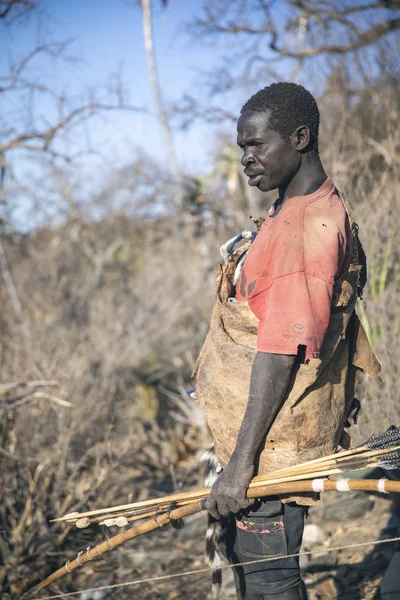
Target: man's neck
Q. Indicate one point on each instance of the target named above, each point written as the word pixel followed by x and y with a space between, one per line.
pixel 308 179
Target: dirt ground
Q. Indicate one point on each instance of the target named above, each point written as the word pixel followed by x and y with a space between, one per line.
pixel 352 574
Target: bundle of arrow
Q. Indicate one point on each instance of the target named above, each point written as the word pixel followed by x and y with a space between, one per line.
pixel 381 450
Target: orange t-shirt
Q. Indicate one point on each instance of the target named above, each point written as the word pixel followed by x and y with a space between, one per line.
pixel 289 272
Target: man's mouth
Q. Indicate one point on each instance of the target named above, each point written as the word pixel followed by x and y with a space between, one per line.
pixel 255 180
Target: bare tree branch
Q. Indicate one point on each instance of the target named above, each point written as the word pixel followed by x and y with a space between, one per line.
pixel 263 36
pixel 188 110
pixel 19 7
pixel 365 38
pixel 24 127
pixel 53 49
pixel 388 4
pixel 216 22
pixel 44 138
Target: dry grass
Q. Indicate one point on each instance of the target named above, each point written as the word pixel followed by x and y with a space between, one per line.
pixel 366 165
pixel 122 340
pixel 117 311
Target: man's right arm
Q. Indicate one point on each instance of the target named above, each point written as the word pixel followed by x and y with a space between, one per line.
pixel 270 377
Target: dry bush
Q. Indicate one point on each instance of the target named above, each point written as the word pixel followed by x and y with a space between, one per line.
pixel 117 312
pixel 362 154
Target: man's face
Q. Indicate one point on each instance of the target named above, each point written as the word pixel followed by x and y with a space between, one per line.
pixel 270 161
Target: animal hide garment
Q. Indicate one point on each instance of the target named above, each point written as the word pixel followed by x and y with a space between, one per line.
pixel 311 420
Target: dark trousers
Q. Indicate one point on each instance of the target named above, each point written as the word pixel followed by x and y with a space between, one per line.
pixel 268 528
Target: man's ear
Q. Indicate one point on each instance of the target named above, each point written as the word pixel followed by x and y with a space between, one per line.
pixel 300 138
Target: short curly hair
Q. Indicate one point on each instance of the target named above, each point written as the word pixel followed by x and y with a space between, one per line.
pixel 291 105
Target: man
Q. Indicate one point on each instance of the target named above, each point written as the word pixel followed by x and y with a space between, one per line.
pixel 299 389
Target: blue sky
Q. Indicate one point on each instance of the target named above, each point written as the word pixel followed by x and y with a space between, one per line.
pixel 108 39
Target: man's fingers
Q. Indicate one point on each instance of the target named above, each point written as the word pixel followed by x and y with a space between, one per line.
pixel 246 503
pixel 215 514
pixel 223 508
pixel 222 504
pixel 235 505
pixel 211 508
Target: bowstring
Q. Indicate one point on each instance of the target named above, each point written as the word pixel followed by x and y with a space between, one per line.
pixel 222 567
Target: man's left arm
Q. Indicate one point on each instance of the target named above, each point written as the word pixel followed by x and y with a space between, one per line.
pixel 270 377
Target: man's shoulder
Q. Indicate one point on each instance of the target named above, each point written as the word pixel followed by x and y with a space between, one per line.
pixel 326 237
pixel 326 214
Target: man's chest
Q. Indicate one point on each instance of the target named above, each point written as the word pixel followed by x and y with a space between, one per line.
pixel 274 253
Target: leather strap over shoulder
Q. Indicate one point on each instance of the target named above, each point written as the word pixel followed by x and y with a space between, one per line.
pixel 358 260
pixel 347 208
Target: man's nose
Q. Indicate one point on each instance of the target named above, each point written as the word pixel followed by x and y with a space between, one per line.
pixel 247 158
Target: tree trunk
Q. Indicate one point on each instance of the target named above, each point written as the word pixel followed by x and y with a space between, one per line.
pixel 148 42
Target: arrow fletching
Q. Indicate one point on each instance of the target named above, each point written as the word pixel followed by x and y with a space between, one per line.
pixel 387 439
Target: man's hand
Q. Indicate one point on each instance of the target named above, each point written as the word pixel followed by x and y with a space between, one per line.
pixel 228 493
pixel 270 377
